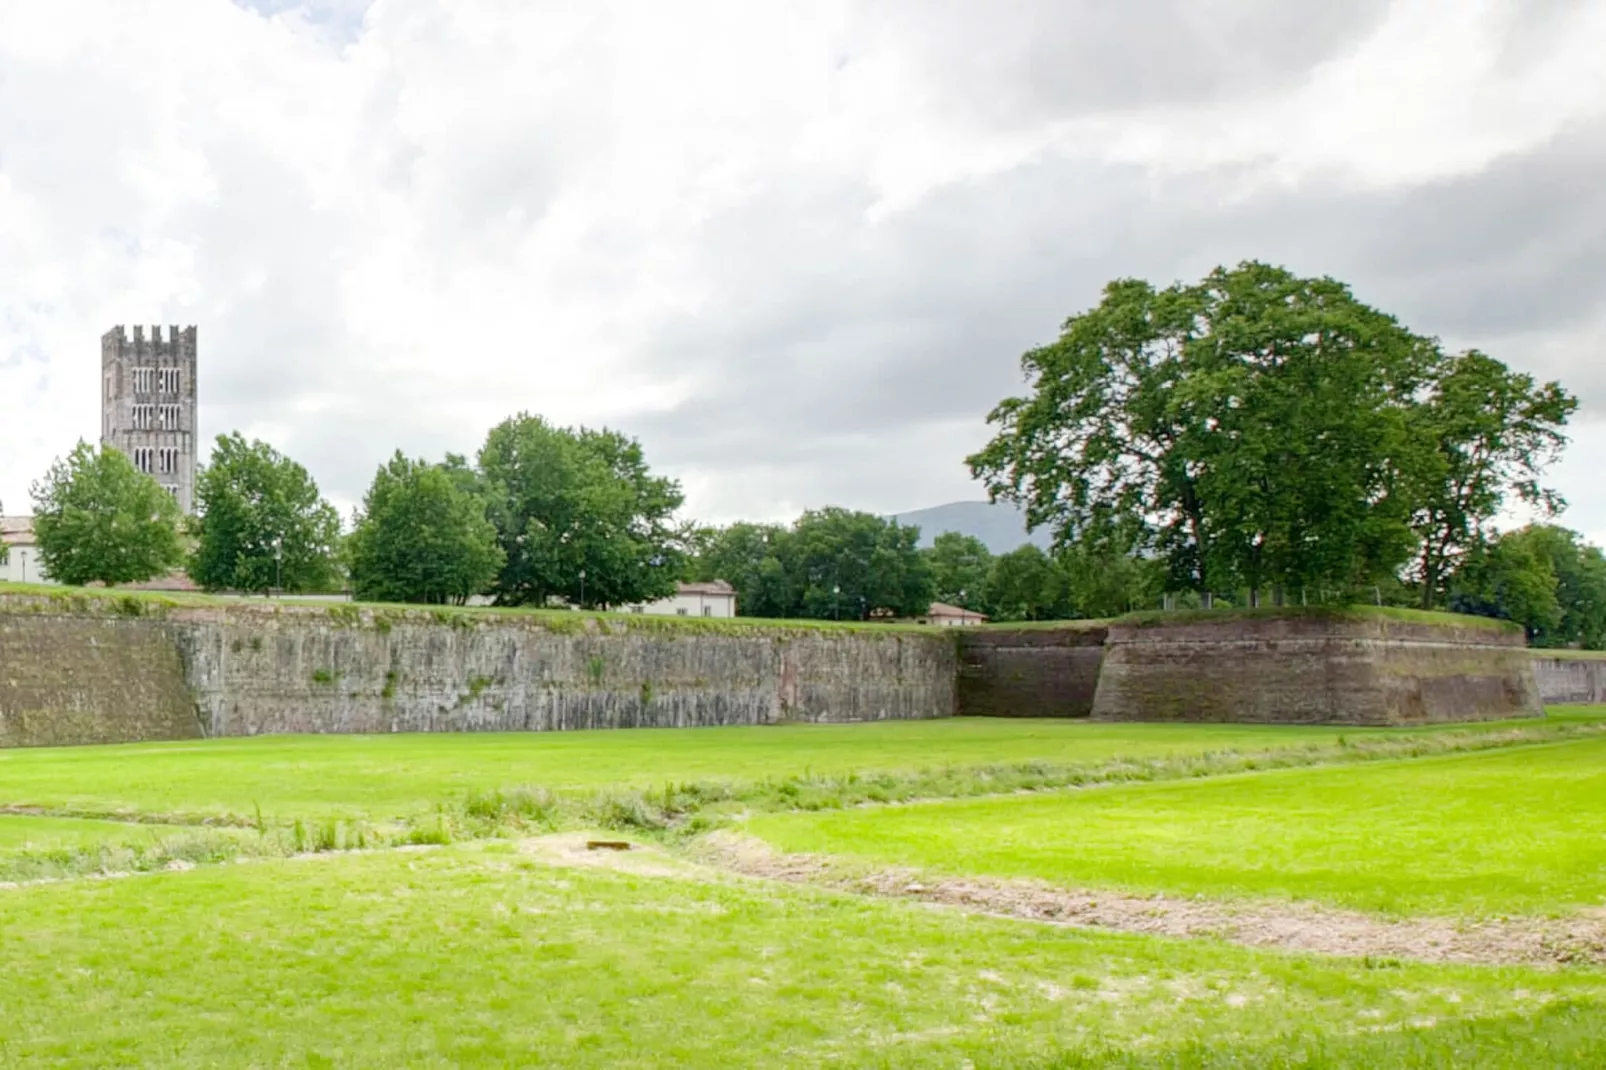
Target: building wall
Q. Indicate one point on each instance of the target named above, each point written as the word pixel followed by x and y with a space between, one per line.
pixel 22 565
pixel 250 669
pixel 154 376
pixel 717 606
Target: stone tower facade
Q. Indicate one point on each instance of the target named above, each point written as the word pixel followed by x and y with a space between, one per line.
pixel 147 404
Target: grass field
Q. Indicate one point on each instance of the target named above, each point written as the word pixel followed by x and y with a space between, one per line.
pixel 380 777
pixel 526 950
pixel 1516 830
pixel 481 956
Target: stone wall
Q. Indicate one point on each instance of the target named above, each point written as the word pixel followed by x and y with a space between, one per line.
pixel 1567 680
pixel 82 673
pixel 90 679
pixel 1030 672
pixel 1313 667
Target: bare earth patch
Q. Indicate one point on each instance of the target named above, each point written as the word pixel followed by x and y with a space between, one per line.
pixel 1577 939
pixel 643 860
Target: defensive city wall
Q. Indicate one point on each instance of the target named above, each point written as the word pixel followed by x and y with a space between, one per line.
pixel 81 669
pixel 78 668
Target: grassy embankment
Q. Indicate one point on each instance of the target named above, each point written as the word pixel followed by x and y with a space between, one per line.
pixel 1510 831
pixel 480 956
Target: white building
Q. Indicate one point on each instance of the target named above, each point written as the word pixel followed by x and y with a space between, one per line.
pixel 944 615
pixel 716 599
pixel 22 561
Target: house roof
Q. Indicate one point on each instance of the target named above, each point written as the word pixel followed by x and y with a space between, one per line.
pixel 943 609
pixel 714 587
pixel 16 530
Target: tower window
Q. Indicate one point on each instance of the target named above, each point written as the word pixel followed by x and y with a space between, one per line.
pixel 167 380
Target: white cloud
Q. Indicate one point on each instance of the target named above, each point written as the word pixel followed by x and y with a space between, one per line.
pixel 797 246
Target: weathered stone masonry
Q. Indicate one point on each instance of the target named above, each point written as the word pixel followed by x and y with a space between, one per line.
pixel 93 677
pixel 1314 668
pixel 77 669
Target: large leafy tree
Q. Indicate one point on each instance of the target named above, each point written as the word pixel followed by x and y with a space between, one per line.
pixel 1542 576
pixel 261 523
pixel 1027 584
pixel 98 519
pixel 1494 432
pixel 852 565
pixel 421 536
pixel 960 566
pixel 579 515
pixel 1102 581
pixel 1254 429
pixel 751 558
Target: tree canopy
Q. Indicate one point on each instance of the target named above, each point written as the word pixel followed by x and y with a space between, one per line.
pixel 421 536
pixel 1543 577
pixel 961 566
pixel 830 563
pixel 578 515
pixel 261 522
pixel 99 519
pixel 1257 429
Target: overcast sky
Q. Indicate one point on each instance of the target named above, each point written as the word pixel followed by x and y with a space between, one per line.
pixel 794 247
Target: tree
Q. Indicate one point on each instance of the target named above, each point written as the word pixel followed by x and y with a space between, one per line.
pixel 960 566
pixel 850 565
pixel 1102 582
pixel 1543 577
pixel 750 557
pixel 1494 433
pixel 1254 429
pixel 261 524
pixel 578 515
pixel 1026 584
pixel 421 537
pixel 98 519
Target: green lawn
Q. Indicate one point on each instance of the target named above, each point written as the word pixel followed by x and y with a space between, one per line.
pixel 479 956
pixel 388 776
pixel 1516 830
pixel 47 833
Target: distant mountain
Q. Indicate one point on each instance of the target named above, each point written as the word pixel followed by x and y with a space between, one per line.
pixel 1002 527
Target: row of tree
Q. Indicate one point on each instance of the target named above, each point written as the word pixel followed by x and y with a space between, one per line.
pixel 543 512
pixel 1253 431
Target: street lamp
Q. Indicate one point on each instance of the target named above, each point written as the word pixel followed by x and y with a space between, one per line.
pixel 278 562
pixel 836 590
pixel 582 588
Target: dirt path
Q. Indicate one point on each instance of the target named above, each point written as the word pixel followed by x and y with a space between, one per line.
pixel 1578 939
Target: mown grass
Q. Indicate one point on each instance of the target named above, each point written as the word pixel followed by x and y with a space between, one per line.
pixel 1510 831
pixel 386 777
pixel 479 956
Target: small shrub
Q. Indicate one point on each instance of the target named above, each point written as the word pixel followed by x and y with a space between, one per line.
pixel 477 686
pixel 594 668
pixel 128 606
pixel 388 692
pixel 322 676
pixel 437 834
pixel 646 693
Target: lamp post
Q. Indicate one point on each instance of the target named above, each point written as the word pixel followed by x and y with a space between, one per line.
pixel 836 591
pixel 278 562
pixel 582 588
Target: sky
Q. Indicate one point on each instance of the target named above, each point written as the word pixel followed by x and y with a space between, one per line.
pixel 796 247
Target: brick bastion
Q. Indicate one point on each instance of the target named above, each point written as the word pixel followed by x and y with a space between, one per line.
pixel 1316 666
